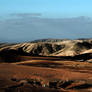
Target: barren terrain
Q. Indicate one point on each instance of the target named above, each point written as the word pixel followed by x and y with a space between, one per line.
pixel 46 67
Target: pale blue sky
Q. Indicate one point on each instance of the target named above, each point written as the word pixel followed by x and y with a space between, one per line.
pixel 60 19
pixel 48 8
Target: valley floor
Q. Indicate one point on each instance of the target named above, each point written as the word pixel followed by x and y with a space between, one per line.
pixel 46 74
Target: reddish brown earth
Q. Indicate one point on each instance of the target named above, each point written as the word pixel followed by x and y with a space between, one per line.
pixel 46 66
pixel 45 74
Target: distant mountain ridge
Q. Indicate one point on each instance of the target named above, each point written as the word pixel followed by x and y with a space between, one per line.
pixel 48 40
pixel 50 47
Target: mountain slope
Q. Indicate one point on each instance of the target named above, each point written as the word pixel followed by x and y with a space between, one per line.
pixel 73 49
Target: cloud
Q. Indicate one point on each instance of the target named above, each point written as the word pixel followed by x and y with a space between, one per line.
pixel 26 14
pixel 17 29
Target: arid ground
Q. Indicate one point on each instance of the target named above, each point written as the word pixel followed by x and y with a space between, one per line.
pixel 43 74
pixel 46 67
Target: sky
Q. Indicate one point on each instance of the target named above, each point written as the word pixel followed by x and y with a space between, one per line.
pixel 48 8
pixel 27 20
